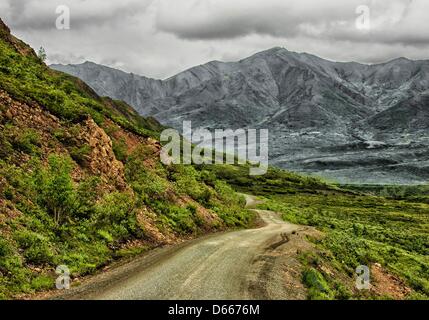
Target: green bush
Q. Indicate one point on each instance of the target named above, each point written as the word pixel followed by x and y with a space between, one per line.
pixel 120 149
pixel 5 249
pixel 80 154
pixel 116 212
pixel 37 248
pixel 85 258
pixel 42 282
pixel 153 185
pixel 6 148
pixel 85 197
pixel 181 220
pixel 186 180
pixel 209 178
pixel 105 235
pixel 54 187
pixel 148 184
pixel 318 288
pixel 28 141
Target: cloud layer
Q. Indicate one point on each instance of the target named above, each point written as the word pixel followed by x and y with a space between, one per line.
pixel 159 38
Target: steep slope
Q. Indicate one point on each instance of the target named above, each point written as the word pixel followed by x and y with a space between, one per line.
pixel 409 115
pixel 316 109
pixel 81 183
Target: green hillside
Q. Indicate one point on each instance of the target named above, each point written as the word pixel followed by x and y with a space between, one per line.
pixel 81 184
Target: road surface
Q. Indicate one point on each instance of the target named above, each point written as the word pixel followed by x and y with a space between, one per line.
pixel 246 264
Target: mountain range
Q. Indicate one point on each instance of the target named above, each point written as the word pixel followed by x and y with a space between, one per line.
pixel 350 122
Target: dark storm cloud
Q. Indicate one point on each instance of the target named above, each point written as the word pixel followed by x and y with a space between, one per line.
pixel 394 21
pixel 159 38
pixel 224 19
pixel 41 14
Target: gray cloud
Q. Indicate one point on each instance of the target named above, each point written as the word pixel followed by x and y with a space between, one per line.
pixel 225 19
pixel 159 38
pixel 41 15
pixel 394 21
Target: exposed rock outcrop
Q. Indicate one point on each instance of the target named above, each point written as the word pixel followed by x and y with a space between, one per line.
pixel 101 160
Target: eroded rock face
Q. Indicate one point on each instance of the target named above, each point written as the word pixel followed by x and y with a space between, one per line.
pixel 101 160
pixel 25 117
pixel 30 116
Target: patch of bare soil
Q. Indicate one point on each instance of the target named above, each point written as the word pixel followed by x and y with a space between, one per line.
pixel 386 284
pixel 279 268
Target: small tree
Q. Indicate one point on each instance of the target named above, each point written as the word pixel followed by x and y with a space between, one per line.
pixel 55 187
pixel 42 54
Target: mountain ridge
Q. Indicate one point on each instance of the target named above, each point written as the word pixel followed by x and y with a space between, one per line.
pixel 307 102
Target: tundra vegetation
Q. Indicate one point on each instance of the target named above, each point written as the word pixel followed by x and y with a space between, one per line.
pixel 81 185
pixel 363 225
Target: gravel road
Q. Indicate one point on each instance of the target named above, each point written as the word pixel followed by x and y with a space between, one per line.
pixel 246 264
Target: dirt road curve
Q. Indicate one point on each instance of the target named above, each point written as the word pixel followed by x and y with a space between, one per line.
pixel 248 264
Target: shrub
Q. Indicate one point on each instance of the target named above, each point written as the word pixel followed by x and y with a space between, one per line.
pixel 120 149
pixel 80 154
pixel 5 250
pixel 37 248
pixel 179 219
pixel 116 212
pixel 54 187
pixel 114 208
pixel 318 288
pixel 42 282
pixel 187 181
pixel 6 148
pixel 28 141
pixel 86 197
pixel 152 185
pixel 209 178
pixel 105 235
pixel 149 184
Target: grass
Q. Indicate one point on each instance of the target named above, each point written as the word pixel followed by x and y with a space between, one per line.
pixel 318 287
pixel 417 193
pixel 362 230
pixel 275 181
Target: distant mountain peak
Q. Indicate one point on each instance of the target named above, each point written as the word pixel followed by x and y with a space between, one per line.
pixel 311 105
pixel 278 48
pixel 274 50
pixel 402 59
pixel 87 62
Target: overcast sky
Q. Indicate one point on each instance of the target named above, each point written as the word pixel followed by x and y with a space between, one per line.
pixel 159 38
